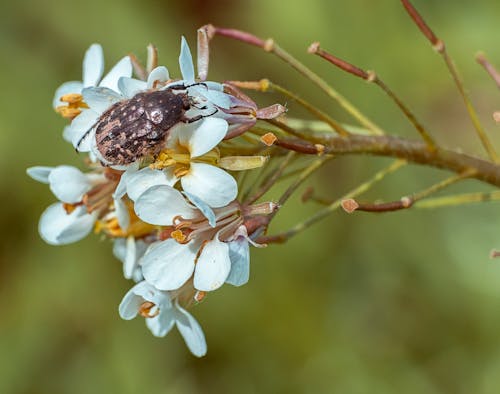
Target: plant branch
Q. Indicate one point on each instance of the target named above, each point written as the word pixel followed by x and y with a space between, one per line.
pixel 391 146
pixel 371 76
pixel 440 48
pixel 270 46
pixel 406 201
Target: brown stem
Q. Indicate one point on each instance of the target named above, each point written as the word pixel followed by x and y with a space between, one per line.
pixel 390 146
pixel 481 59
pixel 370 76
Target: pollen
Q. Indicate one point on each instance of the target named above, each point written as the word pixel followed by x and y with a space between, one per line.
pixel 268 139
pixel 146 310
pixel 74 105
pixel 179 236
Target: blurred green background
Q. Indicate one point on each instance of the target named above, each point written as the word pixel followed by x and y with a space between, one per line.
pixel 402 302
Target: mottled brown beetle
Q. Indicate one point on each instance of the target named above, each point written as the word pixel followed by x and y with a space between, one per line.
pixel 137 127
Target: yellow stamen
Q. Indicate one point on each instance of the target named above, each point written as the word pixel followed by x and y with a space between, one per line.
pixel 72 98
pixel 200 295
pixel 69 207
pixel 145 310
pixel 180 171
pixel 179 236
pixel 74 105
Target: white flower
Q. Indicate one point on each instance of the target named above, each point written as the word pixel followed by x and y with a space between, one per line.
pixel 199 251
pixel 58 226
pixel 189 150
pixel 162 314
pixel 93 68
pixel 82 197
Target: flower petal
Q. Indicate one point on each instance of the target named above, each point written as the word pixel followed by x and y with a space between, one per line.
pixel 122 214
pixel 213 266
pixel 186 62
pixel 191 331
pixel 129 87
pixel 57 227
pixel 160 204
pixel 40 173
pixel 121 69
pixel 69 184
pixel 204 136
pixel 142 180
pixel 211 184
pixel 66 88
pixel 162 324
pixel 203 207
pixel 142 291
pixel 218 98
pixel 100 99
pixel 93 65
pixel 80 127
pixel 239 254
pixel 160 74
pixel 169 264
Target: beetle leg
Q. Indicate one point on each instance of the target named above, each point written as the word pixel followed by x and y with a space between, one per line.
pixel 198 117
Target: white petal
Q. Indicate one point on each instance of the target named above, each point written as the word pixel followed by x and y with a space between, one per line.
pixel 67 133
pixel 39 173
pixel 214 86
pixel 93 65
pixel 169 265
pixel 142 180
pixel 162 324
pixel 120 248
pixel 160 74
pixel 66 88
pixel 130 304
pixel 121 188
pixel 213 266
pixel 204 136
pixel 203 207
pixel 130 258
pixel 129 251
pixel 160 204
pixel 69 184
pixel 80 127
pixel 86 143
pixel 211 184
pixel 121 69
pixel 122 214
pixel 220 99
pixel 239 254
pixel 186 62
pixel 142 291
pixel 191 331
pixel 100 99
pixel 129 87
pixel 56 227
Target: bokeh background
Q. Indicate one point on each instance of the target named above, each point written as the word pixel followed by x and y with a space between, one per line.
pixel 401 302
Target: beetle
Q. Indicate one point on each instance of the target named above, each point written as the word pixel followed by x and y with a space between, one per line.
pixel 137 127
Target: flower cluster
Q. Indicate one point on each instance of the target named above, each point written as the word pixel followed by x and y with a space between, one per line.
pixel 171 207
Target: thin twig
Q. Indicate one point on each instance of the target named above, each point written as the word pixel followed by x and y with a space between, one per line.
pixel 271 180
pixel 459 199
pixel 285 236
pixel 271 47
pixel 407 201
pixel 265 85
pixel 391 146
pixel 481 59
pixel 371 76
pixel 440 47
